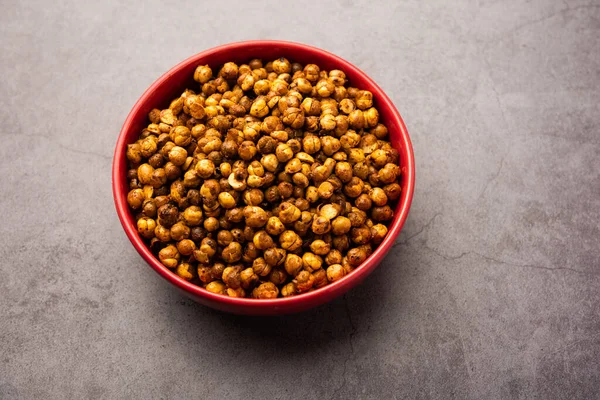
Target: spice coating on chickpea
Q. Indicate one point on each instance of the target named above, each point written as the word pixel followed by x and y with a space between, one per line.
pixel 267 179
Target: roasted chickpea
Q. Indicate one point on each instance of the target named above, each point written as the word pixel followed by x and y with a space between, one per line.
pixel 255 216
pixel 288 290
pixel 202 74
pixel 293 264
pixel 211 224
pixel 320 247
pixel 169 256
pixel 321 225
pixel 231 277
pixel 274 256
pixel 266 290
pixel 356 256
pixel 304 223
pixel 290 240
pixel 361 234
pixel 216 287
pixel 304 281
pixel 262 240
pixel 283 152
pixel 146 227
pixel 363 202
pixel 204 274
pixel 248 278
pixel 381 214
pixel 335 272
pixel 135 198
pixel 341 225
pixel 288 213
pixel 325 190
pixel 260 267
pixel 392 191
pixel 274 226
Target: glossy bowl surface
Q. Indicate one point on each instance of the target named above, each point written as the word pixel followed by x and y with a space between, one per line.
pixel 172 83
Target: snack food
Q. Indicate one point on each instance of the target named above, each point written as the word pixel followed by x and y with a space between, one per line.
pixel 268 181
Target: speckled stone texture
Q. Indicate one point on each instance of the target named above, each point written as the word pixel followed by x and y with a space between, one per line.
pixel 491 292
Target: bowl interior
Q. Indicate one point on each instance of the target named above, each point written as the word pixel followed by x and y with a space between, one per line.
pixel 171 84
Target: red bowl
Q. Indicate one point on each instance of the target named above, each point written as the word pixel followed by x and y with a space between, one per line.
pixel 171 84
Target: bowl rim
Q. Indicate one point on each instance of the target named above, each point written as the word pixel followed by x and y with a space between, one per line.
pixel 332 289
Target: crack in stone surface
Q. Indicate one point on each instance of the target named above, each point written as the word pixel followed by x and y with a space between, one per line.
pixel 493 178
pixel 423 228
pixel 497 261
pixel 351 354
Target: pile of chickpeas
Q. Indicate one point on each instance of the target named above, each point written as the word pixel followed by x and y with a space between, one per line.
pixel 270 179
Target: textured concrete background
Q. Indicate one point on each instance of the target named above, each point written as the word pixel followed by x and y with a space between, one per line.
pixel 492 291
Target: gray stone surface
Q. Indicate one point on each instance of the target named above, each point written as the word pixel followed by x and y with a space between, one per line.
pixel 492 291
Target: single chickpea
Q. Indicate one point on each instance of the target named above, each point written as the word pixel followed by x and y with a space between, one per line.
pixel 260 267
pixel 180 231
pixel 185 271
pixel 266 290
pixel 327 122
pixel 371 117
pixel 333 257
pixel 168 215
pixel 202 74
pixel 262 240
pixel 274 256
pixel 325 190
pixel 341 225
pixel 216 287
pixel 360 235
pixel 135 198
pixel 288 213
pixel 384 213
pixel 169 256
pixel 290 240
pixel 134 153
pixel 259 107
pixel 335 272
pixel 211 224
pixel 288 290
pixel 204 274
pixel 356 256
pixel 320 247
pixel 357 217
pixel 329 211
pixel 392 191
pixel 304 281
pixel 311 144
pixel 277 277
pixel 248 278
pixel 146 227
pixel 325 88
pixel 247 150
pixel 363 202
pixel 186 247
pixel 356 120
pixel 144 173
pixel 293 117
pixel 274 226
pixel 354 188
pixel 293 264
pixel 282 66
pixel 303 224
pixel 239 292
pixel 231 277
pixel 321 225
pixel 283 152
pixel 255 216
